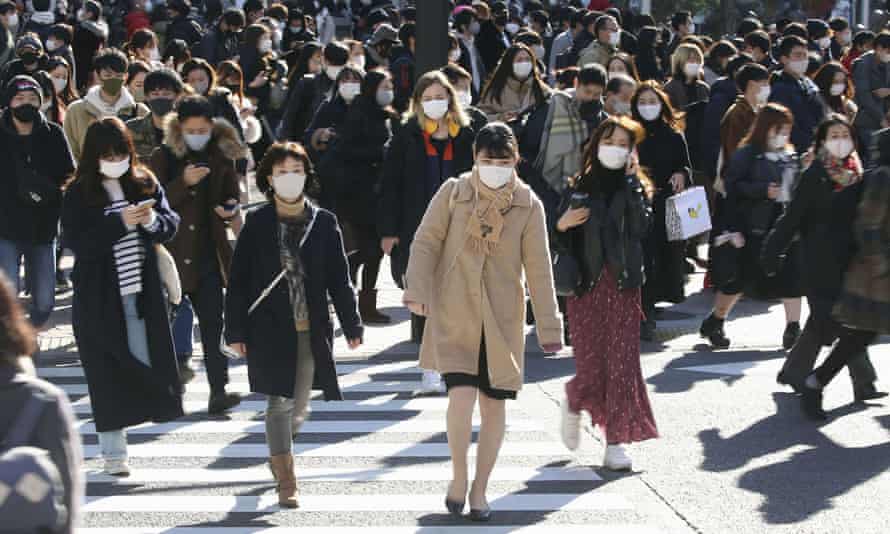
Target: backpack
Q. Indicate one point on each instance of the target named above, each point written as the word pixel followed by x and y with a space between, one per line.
pixel 31 489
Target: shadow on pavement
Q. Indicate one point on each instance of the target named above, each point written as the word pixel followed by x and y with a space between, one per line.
pixel 675 379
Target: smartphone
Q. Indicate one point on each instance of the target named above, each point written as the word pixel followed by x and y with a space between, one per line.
pixel 146 202
pixel 578 200
pixel 230 207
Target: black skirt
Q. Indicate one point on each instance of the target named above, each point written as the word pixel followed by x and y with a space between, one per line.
pixel 480 381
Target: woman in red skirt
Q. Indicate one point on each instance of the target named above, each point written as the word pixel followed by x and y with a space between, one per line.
pixel 605 218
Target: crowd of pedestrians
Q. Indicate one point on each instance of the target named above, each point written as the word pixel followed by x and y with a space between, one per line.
pixel 531 178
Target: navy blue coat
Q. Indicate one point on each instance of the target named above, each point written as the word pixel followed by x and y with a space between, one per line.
pixel 723 94
pixel 802 98
pixel 269 331
pixel 123 392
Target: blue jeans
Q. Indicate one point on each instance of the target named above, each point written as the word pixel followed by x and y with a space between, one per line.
pixel 40 267
pixel 183 328
pixel 114 442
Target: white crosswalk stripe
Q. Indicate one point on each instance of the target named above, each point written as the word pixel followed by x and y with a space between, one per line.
pixel 217 467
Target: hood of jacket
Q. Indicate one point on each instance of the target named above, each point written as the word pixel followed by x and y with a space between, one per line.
pixel 223 136
pixel 99 108
pixel 8 128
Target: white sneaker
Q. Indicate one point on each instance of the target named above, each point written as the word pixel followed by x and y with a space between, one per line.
pixel 117 468
pixel 616 459
pixel 571 426
pixel 431 382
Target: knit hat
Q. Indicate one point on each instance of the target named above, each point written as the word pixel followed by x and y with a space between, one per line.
pixel 21 83
pixel 384 32
pixel 29 40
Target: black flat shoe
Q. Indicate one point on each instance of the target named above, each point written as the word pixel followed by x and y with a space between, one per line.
pixel 455 508
pixel 222 402
pixel 868 393
pixel 811 402
pixel 480 516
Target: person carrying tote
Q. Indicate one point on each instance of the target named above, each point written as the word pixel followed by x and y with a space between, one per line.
pixel 288 260
pixel 465 274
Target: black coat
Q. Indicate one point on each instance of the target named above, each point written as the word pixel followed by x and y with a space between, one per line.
pixel 802 98
pixel 404 192
pixel 187 29
pixel 217 47
pixel 306 96
pixel 662 153
pixel 491 45
pixel 269 331
pixel 823 218
pixel 123 392
pixel 362 138
pixel 46 151
pixel 747 179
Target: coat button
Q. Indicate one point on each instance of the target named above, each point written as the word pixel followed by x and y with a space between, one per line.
pixel 193 193
pixel 192 227
pixel 187 261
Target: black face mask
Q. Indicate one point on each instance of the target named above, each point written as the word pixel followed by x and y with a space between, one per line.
pixel 590 109
pixel 25 113
pixel 500 21
pixel 160 106
pixel 29 58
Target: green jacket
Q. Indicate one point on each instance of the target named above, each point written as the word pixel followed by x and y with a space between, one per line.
pixel 144 137
pixel 596 52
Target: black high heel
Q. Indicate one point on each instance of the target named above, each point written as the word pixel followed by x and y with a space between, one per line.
pixel 455 508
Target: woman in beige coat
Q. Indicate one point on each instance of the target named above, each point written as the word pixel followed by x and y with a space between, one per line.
pixel 465 274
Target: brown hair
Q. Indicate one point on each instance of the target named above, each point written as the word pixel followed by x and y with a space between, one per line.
pixel 276 154
pixel 455 111
pixel 669 115
pixel 769 116
pixel 17 336
pixel 590 158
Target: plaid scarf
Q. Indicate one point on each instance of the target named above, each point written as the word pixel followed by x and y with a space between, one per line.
pixel 843 172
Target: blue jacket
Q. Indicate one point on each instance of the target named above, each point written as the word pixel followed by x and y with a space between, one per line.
pixel 802 98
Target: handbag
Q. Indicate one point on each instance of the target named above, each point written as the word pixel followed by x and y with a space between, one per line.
pixel 34 189
pixel 566 274
pixel 687 215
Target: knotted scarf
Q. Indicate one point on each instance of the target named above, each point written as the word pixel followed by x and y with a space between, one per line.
pixel 487 219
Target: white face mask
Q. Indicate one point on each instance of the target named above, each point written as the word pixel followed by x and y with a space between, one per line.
pixel 838 89
pixel 778 142
pixel 435 109
pixel 197 142
pixel 60 84
pixel 539 51
pixel 839 148
pixel 385 97
pixel 464 98
pixel 52 45
pixel 201 87
pixel 495 176
pixel 692 69
pixel 265 45
pixel 522 69
pixel 612 157
pixel 475 27
pixel 691 27
pixel 289 185
pixel 799 67
pixel 512 28
pixel 885 58
pixel 620 107
pixel 650 112
pixel 763 95
pixel 454 55
pixel 824 42
pixel 614 38
pixel 114 169
pixel 44 107
pixel 332 71
pixel 154 55
pixel 349 90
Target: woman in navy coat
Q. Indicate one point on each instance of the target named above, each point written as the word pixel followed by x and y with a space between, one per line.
pixel 121 327
pixel 289 258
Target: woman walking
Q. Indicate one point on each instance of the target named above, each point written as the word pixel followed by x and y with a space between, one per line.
pixel 113 215
pixel 288 260
pixel 758 181
pixel 822 213
pixel 479 234
pixel 605 219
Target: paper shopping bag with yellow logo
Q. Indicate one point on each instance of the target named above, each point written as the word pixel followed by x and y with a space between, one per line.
pixel 687 215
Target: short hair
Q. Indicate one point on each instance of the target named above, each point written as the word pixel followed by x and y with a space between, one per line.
pixel 838 24
pixel 737 63
pixel 336 53
pixel 111 59
pixel 567 76
pixel 863 38
pixel 194 106
pixel 759 39
pixel 602 21
pixel 540 17
pixel 590 17
pixel 455 73
pixel 275 154
pixel 592 73
pixel 796 28
pixel 747 26
pixel 163 79
pixel 576 17
pixel 62 31
pixel 464 18
pixel 277 11
pixel 883 40
pixel 679 18
pixel 618 81
pixel 752 72
pixel 497 139
pixel 234 17
pixel 793 41
pixel 135 68
pixel 528 38
pixel 17 336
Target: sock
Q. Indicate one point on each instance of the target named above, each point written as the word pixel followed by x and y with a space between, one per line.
pixel 812 382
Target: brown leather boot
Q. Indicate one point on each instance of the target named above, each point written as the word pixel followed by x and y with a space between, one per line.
pixel 283 469
pixel 367 307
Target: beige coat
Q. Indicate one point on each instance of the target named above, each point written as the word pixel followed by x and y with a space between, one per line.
pixel 516 97
pixel 467 292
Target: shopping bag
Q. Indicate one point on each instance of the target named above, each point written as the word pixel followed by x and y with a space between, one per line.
pixel 687 214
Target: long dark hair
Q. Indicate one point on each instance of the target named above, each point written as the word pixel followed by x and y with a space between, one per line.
pixel 669 115
pixel 110 137
pixel 301 67
pixel 833 119
pixel 49 93
pixel 368 97
pixel 69 94
pixel 504 70
pixel 227 69
pixel 824 79
pixel 591 166
pixel 17 336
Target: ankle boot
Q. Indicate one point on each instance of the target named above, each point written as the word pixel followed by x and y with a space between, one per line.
pixel 367 307
pixel 712 330
pixel 283 470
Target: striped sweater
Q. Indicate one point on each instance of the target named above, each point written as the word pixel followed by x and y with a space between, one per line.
pixel 129 251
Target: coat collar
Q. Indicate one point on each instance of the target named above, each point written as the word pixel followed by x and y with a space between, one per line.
pixel 224 137
pixel 522 197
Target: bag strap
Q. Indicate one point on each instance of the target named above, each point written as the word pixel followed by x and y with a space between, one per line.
pixel 24 424
pixel 265 293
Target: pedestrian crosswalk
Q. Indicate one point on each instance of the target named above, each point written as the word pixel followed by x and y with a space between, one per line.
pixel 374 463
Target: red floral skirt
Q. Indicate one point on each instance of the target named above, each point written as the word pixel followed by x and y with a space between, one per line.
pixel 608 382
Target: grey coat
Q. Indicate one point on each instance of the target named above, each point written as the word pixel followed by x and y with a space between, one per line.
pixel 869 74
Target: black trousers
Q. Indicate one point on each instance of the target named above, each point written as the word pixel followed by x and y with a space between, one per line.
pixel 368 254
pixel 207 302
pixel 851 344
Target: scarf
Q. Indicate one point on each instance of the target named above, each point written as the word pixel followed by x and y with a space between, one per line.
pixel 439 167
pixel 487 220
pixel 293 220
pixel 565 131
pixel 843 172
